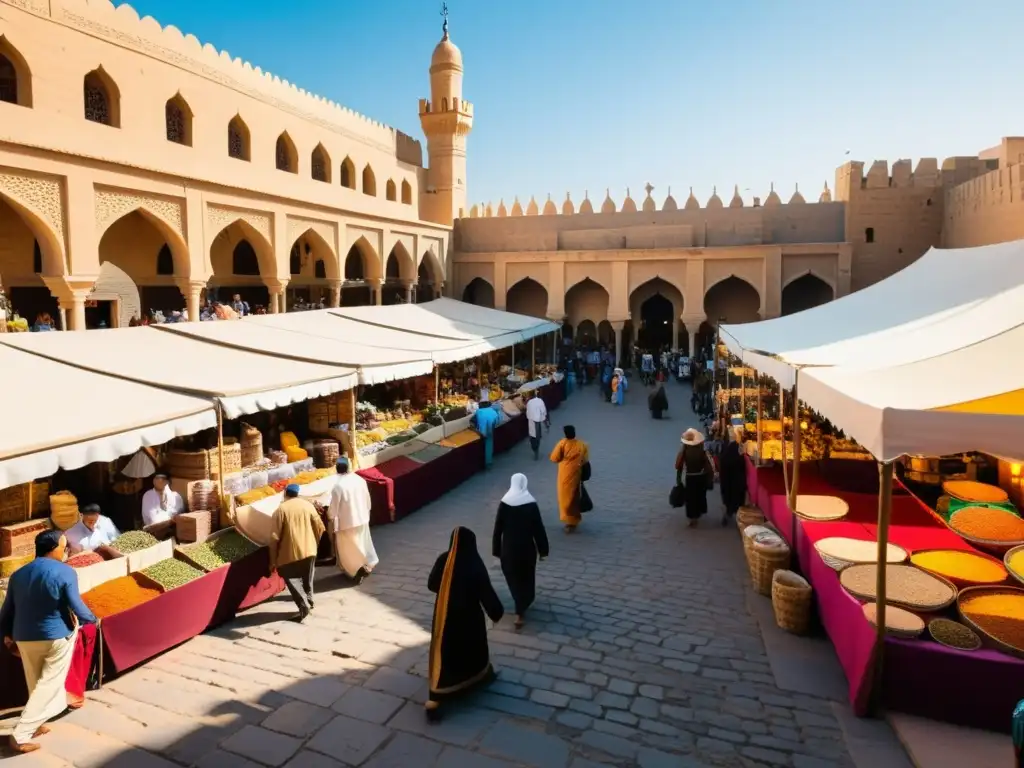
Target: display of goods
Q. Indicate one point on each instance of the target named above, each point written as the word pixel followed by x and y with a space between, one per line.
pixel 226 548
pixel 295 453
pixel 969 490
pixel 399 439
pixel 953 634
pixel 899 622
pixel 304 465
pixel 193 526
pixel 259 478
pixel 63 510
pixel 256 494
pixel 821 508
pixel 278 457
pixel 280 472
pixel 189 465
pixel 510 408
pixel 963 568
pixel 325 453
pixel 120 594
pixel 289 440
pixel 459 439
pixel 9 565
pixel 791 601
pixel 988 526
pixel 236 484
pixel 20 538
pixel 1014 562
pixel 14 504
pixel 839 551
pixel 232 458
pixel 133 541
pixel 422 427
pixel 323 472
pixel 252 445
pixel 771 450
pixel 905 586
pixel 396 425
pixel 373 448
pixel 996 613
pixel 171 573
pixel 203 495
pixel 84 560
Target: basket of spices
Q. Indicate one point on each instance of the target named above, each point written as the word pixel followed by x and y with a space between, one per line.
pixel 838 552
pixel 232 458
pixel 899 622
pixel 747 516
pixel 133 541
pixel 988 527
pixel 171 573
pixel 189 465
pixel 1014 562
pixel 997 614
pixel 251 446
pixel 278 457
pixel 962 567
pixel 791 601
pixel 120 594
pixel 905 586
pixel 971 490
pixel 953 634
pixel 769 555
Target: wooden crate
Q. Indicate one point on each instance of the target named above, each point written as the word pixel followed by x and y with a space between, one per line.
pixel 15 504
pixel 19 538
pixel 193 527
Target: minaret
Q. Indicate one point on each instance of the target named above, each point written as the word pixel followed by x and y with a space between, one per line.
pixel 447 121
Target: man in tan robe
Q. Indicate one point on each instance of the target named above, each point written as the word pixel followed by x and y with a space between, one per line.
pixel 296 531
pixel 349 516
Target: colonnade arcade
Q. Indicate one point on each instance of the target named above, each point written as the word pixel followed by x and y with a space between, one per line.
pixel 145 263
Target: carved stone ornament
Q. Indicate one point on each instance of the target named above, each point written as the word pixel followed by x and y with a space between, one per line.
pixel 327 230
pixel 41 195
pixel 112 204
pixel 219 218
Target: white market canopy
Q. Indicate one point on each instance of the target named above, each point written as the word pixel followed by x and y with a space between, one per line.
pixel 944 300
pixel 58 416
pixel 968 399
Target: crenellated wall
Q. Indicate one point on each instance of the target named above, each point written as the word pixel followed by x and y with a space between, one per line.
pixel 987 207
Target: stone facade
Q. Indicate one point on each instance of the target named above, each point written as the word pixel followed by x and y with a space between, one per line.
pixel 139 147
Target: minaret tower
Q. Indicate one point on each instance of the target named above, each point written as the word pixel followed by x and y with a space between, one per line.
pixel 447 121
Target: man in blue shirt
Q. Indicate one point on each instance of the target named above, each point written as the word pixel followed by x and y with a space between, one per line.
pixel 39 622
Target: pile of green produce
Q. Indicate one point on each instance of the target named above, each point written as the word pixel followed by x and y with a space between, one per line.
pixel 399 439
pixel 133 541
pixel 171 573
pixel 422 427
pixel 226 548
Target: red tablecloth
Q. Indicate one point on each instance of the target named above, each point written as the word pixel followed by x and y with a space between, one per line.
pixel 14 692
pixel 977 689
pixel 511 433
pixel 382 496
pixel 416 485
pixel 141 633
pixel 246 583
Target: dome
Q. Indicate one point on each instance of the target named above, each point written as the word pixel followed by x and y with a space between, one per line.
pixel 446 54
pixel 773 198
pixel 691 202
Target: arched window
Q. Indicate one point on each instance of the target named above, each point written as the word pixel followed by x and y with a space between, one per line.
pixel 284 154
pixel 391 191
pixel 348 173
pixel 238 139
pixel 320 269
pixel 37 258
pixel 320 166
pixel 407 193
pixel 179 121
pixel 369 181
pixel 101 99
pixel 244 260
pixel 295 261
pixel 8 80
pixel 15 76
pixel 165 261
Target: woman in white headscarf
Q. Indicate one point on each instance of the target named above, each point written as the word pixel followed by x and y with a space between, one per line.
pixel 519 537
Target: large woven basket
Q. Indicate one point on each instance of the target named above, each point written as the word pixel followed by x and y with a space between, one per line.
pixel 189 465
pixel 232 458
pixel 14 504
pixel 767 559
pixel 748 516
pixel 63 510
pixel 838 552
pixel 899 622
pixel 969 592
pixel 990 544
pixel 791 601
pixel 252 446
pixel 325 453
pixel 749 534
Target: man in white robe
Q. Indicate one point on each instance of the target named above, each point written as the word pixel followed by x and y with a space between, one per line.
pixel 91 532
pixel 160 504
pixel 349 520
pixel 536 417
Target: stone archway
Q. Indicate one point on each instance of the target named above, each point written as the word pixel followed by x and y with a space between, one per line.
pixel 587 300
pixel 655 306
pixel 312 264
pixel 399 276
pixel 586 333
pixel 430 278
pixel 479 292
pixel 361 273
pixel 806 292
pixel 732 300
pixel 527 297
pixel 242 260
pixel 23 263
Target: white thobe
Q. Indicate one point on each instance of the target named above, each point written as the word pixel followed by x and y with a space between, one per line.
pixel 81 539
pixel 349 515
pixel 536 415
pixel 161 507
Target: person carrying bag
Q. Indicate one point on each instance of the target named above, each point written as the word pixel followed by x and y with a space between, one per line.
pixel 693 463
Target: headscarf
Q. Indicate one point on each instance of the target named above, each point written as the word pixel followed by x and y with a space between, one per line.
pixel 570 431
pixel 517 494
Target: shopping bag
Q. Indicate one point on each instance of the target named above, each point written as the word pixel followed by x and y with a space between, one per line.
pixel 677 496
pixel 585 503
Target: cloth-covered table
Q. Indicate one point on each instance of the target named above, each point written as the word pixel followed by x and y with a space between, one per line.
pixel 410 488
pixel 511 433
pixel 920 677
pixel 382 496
pixel 14 692
pixel 248 582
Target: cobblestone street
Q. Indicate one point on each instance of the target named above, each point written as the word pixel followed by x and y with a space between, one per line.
pixel 640 650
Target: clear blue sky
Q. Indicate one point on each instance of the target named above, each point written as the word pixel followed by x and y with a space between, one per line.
pixel 589 95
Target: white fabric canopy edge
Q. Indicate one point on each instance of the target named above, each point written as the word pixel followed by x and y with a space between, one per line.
pixel 242 405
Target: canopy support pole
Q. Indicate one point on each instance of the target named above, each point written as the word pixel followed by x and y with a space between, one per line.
pixel 782 430
pixel 743 392
pixel 437 385
pixel 794 488
pixel 225 502
pixel 554 348
pixel 760 436
pixel 533 358
pixel 353 451
pixel 885 472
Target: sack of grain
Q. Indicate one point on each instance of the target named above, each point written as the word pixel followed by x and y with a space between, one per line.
pixel 63 510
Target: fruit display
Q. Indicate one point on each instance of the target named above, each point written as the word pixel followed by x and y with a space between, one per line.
pixel 278 486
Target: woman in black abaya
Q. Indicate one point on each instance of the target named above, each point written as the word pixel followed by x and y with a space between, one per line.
pixel 459 658
pixel 519 537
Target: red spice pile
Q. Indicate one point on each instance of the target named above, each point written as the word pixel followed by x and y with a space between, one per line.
pixel 84 560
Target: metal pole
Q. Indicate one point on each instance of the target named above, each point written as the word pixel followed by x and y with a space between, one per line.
pixel 884 512
pixel 743 392
pixel 782 434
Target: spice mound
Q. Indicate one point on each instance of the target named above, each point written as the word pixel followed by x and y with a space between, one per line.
pixel 133 541
pixel 960 566
pixel 118 595
pixel 988 524
pixel 905 586
pixel 171 573
pixel 998 612
pixel 971 490
pixel 898 621
pixel 953 634
pixel 84 560
pixel 226 548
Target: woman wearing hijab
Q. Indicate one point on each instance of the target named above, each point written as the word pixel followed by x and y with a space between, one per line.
pixel 733 475
pixel 694 462
pixel 657 402
pixel 459 658
pixel 519 537
pixel 570 455
pixel 619 387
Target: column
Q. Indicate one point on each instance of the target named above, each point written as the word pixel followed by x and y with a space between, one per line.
pixel 376 291
pixel 334 286
pixel 692 323
pixel 675 334
pixel 407 285
pixel 693 339
pixel 618 327
pixel 71 294
pixel 192 290
pixel 74 309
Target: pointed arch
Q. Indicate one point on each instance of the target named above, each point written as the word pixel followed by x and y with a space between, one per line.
pixel 645 296
pixel 320 164
pixel 15 75
pixel 733 299
pixel 527 297
pixel 431 266
pixel 587 300
pixel 244 259
pixel 400 264
pixel 285 156
pixel 101 98
pixel 225 253
pixel 178 119
pixel 805 291
pixel 239 139
pixel 391 191
pixel 369 181
pixel 362 262
pixel 312 257
pixel 479 291
pixel 348 173
pixel 156 228
pixel 51 246
pixel 165 261
pixel 406 192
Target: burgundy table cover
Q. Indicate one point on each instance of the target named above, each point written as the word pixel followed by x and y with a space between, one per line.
pixel 246 583
pixel 14 692
pixel 511 433
pixel 382 495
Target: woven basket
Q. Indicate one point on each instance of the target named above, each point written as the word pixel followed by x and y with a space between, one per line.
pixel 189 465
pixel 767 559
pixel 937 627
pixel 750 535
pixel 14 504
pixel 966 594
pixel 848 576
pixel 992 545
pixel 203 495
pixel 192 527
pixel 749 516
pixel 325 454
pixel 252 446
pixel 232 458
pixel 63 510
pixel 826 547
pixel 791 601
pixel 911 625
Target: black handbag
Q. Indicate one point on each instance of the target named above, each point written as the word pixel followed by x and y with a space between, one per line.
pixel 585 503
pixel 677 496
pixel 585 472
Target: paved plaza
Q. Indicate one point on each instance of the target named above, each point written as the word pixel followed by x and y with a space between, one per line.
pixel 641 649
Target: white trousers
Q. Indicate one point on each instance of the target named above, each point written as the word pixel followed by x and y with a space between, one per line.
pixel 46 664
pixel 355 550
